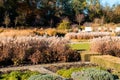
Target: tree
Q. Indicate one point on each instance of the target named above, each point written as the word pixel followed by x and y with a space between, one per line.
pixel 6 20
pixel 116 12
pixel 111 14
pixel 79 18
pixel 94 9
pixel 10 7
pixel 78 6
pixel 1 3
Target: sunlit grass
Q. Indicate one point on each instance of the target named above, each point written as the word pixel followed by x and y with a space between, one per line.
pixel 81 46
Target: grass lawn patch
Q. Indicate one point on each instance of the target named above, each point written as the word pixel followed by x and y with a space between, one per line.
pixel 80 40
pixel 81 46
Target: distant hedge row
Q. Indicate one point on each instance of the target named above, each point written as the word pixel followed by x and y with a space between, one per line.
pixel 87 35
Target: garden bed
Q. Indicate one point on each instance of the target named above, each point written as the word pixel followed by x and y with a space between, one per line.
pixel 66 70
pixel 27 75
pixel 57 69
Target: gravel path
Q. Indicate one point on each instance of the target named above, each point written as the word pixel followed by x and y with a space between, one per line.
pixel 39 68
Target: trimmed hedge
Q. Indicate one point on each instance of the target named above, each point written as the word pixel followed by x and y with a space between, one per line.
pixel 106 61
pixel 85 56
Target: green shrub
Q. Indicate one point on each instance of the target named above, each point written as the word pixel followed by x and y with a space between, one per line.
pixel 67 73
pixel 44 77
pixel 3 76
pixel 92 74
pixel 27 74
pixel 17 75
pixel 60 72
pixel 65 24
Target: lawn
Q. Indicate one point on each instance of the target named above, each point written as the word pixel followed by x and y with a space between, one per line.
pixel 81 46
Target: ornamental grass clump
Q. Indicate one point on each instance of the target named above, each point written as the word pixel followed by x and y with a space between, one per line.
pixel 106 46
pixel 37 49
pixel 86 35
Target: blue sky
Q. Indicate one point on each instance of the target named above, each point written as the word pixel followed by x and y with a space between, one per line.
pixel 110 2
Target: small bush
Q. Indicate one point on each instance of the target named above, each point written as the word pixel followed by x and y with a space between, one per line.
pixel 28 74
pixel 67 73
pixel 92 74
pixel 60 72
pixel 45 77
